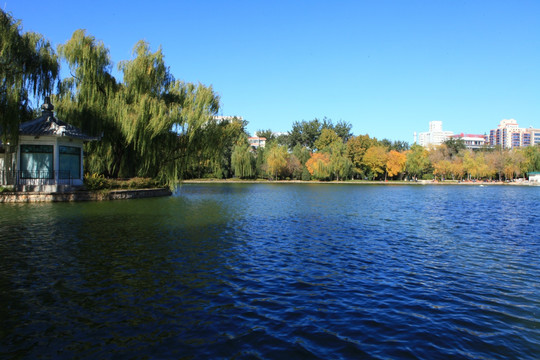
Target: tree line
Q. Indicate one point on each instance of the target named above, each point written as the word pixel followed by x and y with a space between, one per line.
pixel 151 124
pixel 315 150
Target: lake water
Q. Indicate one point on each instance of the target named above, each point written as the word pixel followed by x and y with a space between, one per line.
pixel 276 271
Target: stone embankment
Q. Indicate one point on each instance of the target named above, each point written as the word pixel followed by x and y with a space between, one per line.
pixel 28 197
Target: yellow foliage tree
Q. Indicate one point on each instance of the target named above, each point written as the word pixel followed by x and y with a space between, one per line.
pixel 276 160
pixel 318 166
pixel 456 168
pixel 375 159
pixel 395 163
pixel 442 168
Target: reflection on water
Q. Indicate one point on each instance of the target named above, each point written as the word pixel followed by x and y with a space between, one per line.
pixel 275 271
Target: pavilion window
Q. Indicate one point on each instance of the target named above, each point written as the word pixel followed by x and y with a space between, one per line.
pixel 70 162
pixel 37 161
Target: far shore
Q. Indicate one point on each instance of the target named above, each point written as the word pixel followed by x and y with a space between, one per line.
pixel 362 182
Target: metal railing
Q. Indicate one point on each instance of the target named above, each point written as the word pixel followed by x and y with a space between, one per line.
pixel 37 177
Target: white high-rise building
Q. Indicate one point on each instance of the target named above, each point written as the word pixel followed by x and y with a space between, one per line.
pixel 435 135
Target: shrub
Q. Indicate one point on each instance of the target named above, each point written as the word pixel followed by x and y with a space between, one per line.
pixel 95 182
pixel 99 182
pixel 139 183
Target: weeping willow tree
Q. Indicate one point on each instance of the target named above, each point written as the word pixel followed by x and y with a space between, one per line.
pixel 162 118
pixel 212 146
pixel 151 124
pixel 243 161
pixel 87 99
pixel 28 68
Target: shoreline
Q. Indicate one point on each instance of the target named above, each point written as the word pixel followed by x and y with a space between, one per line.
pixel 359 182
pixel 124 194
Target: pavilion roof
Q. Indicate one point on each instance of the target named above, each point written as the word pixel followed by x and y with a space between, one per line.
pixel 48 125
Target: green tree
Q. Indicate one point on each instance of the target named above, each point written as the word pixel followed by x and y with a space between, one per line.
pixel 305 133
pixel 242 161
pixel 340 164
pixel 302 153
pixel 260 162
pixel 417 161
pixel 326 139
pixel 532 158
pixel 454 146
pixel 356 149
pixel 268 134
pixel 342 129
pixel 88 98
pixel 28 67
pixel 386 144
pixel 152 124
pixel 400 146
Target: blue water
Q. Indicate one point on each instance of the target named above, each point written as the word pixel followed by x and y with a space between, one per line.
pixel 275 271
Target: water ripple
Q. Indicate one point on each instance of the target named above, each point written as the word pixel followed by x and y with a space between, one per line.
pixel 275 271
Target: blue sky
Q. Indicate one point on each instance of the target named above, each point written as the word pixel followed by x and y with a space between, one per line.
pixel 386 67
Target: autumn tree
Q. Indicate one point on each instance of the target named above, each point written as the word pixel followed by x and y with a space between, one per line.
pixel 319 166
pixel 514 164
pixel 294 167
pixel 442 168
pixel 395 163
pixel 276 160
pixel 496 160
pixel 456 168
pixel 375 159
pixel 469 165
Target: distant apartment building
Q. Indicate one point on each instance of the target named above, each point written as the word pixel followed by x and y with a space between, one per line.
pixel 257 142
pixel 220 118
pixel 435 135
pixel 471 141
pixel 509 135
pixel 534 136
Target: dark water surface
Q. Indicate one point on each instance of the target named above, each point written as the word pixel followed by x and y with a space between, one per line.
pixel 277 271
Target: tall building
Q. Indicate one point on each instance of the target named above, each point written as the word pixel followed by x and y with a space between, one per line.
pixel 533 136
pixel 509 135
pixel 435 135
